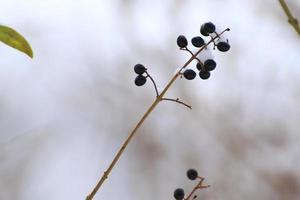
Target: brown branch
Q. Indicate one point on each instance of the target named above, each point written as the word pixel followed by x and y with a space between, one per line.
pixel 291 19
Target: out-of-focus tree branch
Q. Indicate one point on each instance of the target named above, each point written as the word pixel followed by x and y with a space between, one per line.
pixel 292 20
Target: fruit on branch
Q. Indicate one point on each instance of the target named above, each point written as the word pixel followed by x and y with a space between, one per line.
pixel 192 174
pixel 140 80
pixel 179 194
pixel 139 69
pixel 142 75
pixel 207 28
pixel 199 66
pixel 204 74
pixel 210 65
pixel 189 74
pixel 197 41
pixel 182 41
pixel 223 46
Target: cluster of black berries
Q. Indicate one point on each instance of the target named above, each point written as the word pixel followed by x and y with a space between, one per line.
pixel 141 79
pixel 207 29
pixel 192 174
pixel 204 70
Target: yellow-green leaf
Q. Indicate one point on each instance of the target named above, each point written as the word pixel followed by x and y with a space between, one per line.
pixel 14 39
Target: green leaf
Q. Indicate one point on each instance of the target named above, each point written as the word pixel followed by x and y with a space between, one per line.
pixel 14 39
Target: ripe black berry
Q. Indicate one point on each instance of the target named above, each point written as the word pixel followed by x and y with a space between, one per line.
pixel 140 80
pixel 197 41
pixel 139 69
pixel 192 174
pixel 210 65
pixel 207 28
pixel 223 46
pixel 182 41
pixel 204 74
pixel 199 66
pixel 179 194
pixel 189 74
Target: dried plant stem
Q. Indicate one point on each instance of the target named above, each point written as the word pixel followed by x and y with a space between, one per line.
pixel 292 20
pixel 150 109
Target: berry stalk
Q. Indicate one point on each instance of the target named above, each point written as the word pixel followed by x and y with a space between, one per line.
pixel 158 99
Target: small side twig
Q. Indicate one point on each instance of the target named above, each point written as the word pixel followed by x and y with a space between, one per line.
pixel 198 186
pixel 152 80
pixel 291 19
pixel 177 101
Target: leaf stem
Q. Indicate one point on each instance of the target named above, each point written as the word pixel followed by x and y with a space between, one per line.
pixel 150 109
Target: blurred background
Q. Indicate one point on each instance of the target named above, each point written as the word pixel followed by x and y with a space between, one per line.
pixel 64 114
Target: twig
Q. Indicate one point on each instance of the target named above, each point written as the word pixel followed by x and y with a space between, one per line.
pixel 150 109
pixel 198 186
pixel 193 56
pixel 177 101
pixel 152 80
pixel 214 40
pixel 291 19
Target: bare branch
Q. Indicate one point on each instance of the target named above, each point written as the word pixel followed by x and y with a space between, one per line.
pixel 177 101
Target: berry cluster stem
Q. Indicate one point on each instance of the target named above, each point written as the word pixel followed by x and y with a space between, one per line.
pixel 154 84
pixel 198 186
pixel 291 19
pixel 150 109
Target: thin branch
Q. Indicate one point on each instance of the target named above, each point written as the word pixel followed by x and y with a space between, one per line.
pixel 291 19
pixel 146 114
pixel 193 56
pixel 177 101
pixel 152 80
pixel 198 186
pixel 215 42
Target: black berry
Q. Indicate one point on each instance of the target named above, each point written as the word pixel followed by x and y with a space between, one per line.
pixel 223 46
pixel 192 174
pixel 204 74
pixel 189 74
pixel 197 41
pixel 207 28
pixel 210 65
pixel 140 80
pixel 139 69
pixel 182 41
pixel 199 66
pixel 179 194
